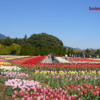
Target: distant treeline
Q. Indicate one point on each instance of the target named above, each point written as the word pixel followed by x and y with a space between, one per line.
pixel 35 40
pixel 39 44
pixel 36 44
pixel 16 49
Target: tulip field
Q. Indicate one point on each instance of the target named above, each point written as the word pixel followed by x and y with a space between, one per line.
pixel 37 78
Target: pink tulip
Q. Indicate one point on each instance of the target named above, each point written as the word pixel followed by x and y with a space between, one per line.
pixel 97 92
pixel 23 99
pixel 28 90
pixel 32 88
pixel 57 92
pixel 41 98
pixel 30 98
pixel 14 96
pixel 81 93
pixel 60 89
pixel 32 93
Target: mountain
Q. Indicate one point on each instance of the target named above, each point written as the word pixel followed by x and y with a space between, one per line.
pixel 2 36
pixel 72 48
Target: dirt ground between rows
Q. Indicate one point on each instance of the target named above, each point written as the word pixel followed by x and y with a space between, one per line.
pixel 2 94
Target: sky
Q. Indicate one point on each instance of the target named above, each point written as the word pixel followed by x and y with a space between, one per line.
pixel 69 20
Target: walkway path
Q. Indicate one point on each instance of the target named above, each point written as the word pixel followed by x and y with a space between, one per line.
pixel 47 60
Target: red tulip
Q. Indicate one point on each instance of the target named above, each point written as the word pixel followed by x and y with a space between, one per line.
pixel 26 97
pixel 51 97
pixel 15 93
pixel 49 94
pixel 37 94
pixel 22 94
pixel 94 93
pixel 28 90
pixel 81 93
pixel 35 98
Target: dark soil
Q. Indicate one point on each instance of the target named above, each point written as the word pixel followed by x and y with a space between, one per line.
pixel 2 94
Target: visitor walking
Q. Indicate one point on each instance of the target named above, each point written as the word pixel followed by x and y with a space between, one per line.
pixel 66 56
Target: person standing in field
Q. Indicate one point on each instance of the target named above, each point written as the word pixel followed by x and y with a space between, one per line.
pixel 66 56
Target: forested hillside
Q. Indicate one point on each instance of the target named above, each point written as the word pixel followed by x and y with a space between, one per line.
pixel 36 44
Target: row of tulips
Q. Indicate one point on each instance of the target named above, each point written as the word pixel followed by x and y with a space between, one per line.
pixel 61 60
pixel 10 68
pixel 17 61
pixel 17 57
pixel 34 60
pixel 58 79
pixel 4 63
pixel 62 65
pixel 8 56
pixel 80 92
pixel 16 75
pixel 85 92
pixel 84 59
pixel 5 76
pixel 45 94
pixel 22 84
pixel 2 60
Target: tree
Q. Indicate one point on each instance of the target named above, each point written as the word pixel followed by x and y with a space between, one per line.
pixel 25 38
pixel 8 41
pixel 87 51
pixel 44 40
pixel 42 52
pixel 15 49
pixel 37 51
pixel 69 51
pixel 72 52
pixel 97 52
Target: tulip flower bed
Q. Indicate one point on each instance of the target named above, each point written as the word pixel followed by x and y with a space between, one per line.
pixel 7 56
pixel 66 81
pixel 11 58
pixel 63 66
pixel 18 84
pixel 33 61
pixel 61 60
pixel 45 94
pixel 5 63
pixel 57 79
pixel 4 76
pixel 17 61
pixel 2 60
pixel 84 59
pixel 84 92
pixel 10 68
